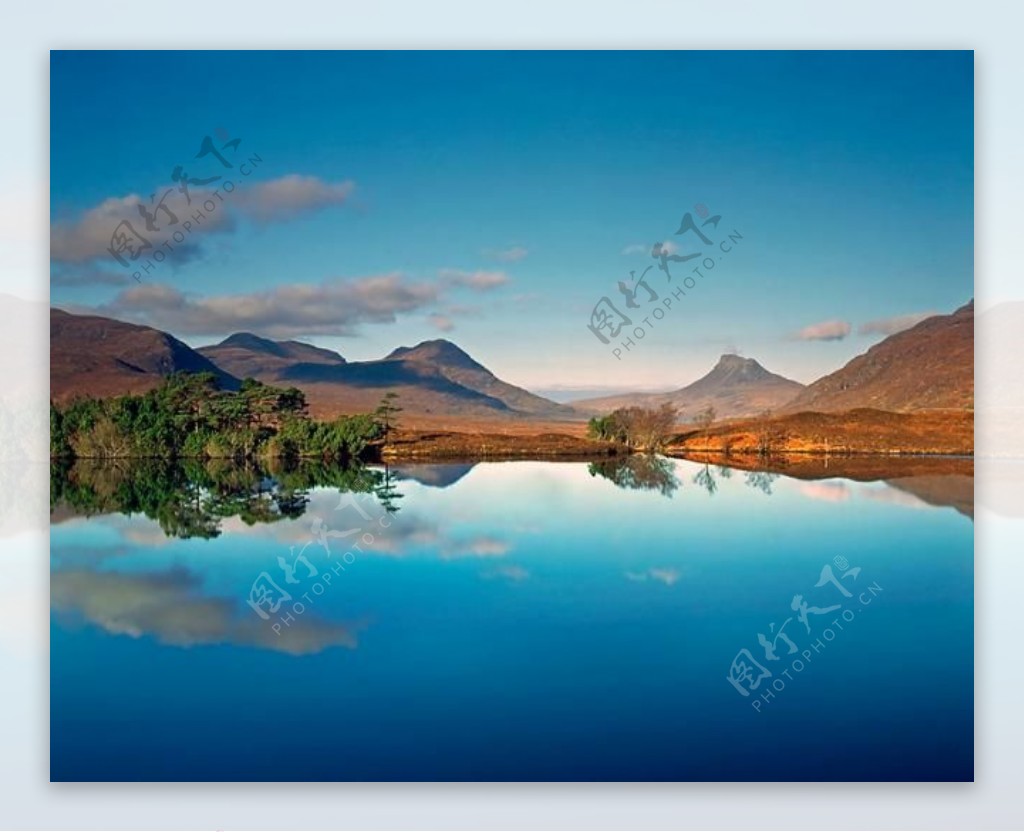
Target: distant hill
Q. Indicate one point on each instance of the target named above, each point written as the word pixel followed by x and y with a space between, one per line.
pixel 736 386
pixel 930 365
pixel 433 377
pixel 95 356
pixel 246 355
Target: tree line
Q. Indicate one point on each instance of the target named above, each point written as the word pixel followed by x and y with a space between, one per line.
pixel 188 416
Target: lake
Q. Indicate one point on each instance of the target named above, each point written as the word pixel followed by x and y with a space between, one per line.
pixel 639 620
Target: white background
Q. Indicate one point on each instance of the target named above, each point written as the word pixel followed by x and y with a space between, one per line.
pixel 994 30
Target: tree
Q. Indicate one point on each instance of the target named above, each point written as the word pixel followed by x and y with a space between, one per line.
pixel 770 436
pixel 386 412
pixel 605 428
pixel 59 446
pixel 643 429
pixel 705 419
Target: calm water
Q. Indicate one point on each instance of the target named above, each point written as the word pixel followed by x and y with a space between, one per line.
pixel 512 621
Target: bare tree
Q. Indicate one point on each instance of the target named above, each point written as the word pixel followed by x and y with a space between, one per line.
pixel 705 419
pixel 770 436
pixel 646 429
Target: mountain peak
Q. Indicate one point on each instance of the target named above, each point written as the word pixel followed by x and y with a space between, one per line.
pixel 734 368
pixel 437 351
pixel 249 341
pixel 731 359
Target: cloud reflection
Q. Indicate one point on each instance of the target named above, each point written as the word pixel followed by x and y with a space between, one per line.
pixel 663 574
pixel 170 607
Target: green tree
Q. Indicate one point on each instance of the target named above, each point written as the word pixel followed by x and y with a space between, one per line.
pixel 606 428
pixel 386 412
pixel 188 417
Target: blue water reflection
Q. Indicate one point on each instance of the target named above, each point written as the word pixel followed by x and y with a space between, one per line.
pixel 525 621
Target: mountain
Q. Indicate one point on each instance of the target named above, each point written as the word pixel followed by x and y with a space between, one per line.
pixel 439 351
pixel 435 377
pixel 930 365
pixel 95 356
pixel 457 366
pixel 246 355
pixel 736 386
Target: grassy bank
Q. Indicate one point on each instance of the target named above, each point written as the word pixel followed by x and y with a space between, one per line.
pixel 854 432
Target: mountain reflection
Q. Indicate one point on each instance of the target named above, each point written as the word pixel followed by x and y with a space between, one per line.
pixel 475 532
pixel 192 499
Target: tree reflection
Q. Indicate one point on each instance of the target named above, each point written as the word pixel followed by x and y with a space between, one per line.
pixel 192 498
pixel 761 480
pixel 706 480
pixel 387 492
pixel 641 472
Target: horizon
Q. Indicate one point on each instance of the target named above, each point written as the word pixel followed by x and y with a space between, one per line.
pixel 504 194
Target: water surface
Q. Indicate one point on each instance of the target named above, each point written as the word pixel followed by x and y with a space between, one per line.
pixel 511 621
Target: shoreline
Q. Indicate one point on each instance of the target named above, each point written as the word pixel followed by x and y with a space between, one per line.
pixel 764 441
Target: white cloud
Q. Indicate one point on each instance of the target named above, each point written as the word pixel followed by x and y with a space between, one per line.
pixel 512 254
pixel 834 330
pixel 88 237
pixel 897 323
pixel 667 246
pixel 334 307
pixel 441 322
pixel 280 200
pixel 480 280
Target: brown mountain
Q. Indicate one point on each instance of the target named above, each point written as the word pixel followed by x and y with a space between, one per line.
pixel 735 387
pixel 250 356
pixel 930 365
pixel 95 356
pixel 434 377
pixel 457 366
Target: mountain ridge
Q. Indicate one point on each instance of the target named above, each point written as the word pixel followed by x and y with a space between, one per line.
pixel 434 376
pixel 735 386
pixel 91 355
pixel 927 366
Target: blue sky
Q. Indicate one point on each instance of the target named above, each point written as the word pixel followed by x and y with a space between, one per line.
pixel 494 198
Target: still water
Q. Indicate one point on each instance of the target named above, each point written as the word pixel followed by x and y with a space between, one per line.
pixel 512 621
